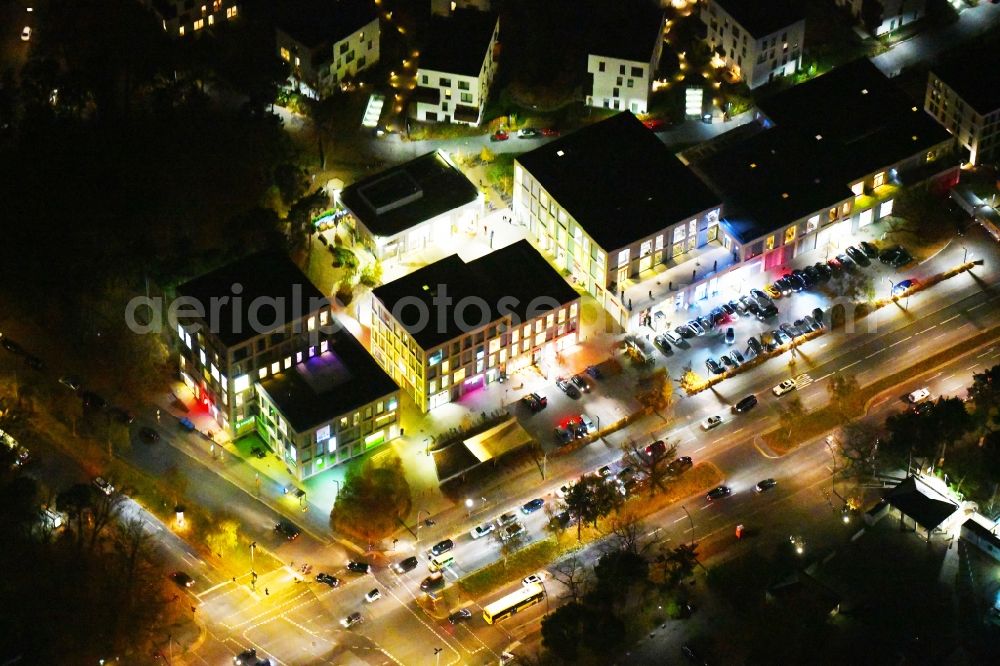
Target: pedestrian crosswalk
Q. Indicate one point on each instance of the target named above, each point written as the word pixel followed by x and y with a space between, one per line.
pixel 803 380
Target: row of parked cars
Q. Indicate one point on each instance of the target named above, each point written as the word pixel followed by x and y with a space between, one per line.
pixel 819 273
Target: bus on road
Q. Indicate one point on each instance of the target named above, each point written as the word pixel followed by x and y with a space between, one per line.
pixel 528 595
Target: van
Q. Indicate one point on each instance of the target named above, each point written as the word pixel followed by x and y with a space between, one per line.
pixel 745 405
pixel 439 562
pixel 639 349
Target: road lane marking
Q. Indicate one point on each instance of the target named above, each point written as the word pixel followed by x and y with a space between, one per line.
pixel 849 366
pixel 697 450
pixel 987 352
pixel 949 319
pixel 823 377
pixel 935 376
pixel 741 428
pixel 898 342
pixel 976 306
pixel 927 329
pixel 875 353
pixel 974 365
pixel 678 520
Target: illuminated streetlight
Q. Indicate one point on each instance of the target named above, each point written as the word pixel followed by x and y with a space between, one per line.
pixel 468 506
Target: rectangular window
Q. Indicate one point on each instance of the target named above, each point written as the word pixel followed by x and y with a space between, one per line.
pixel 444 83
pixel 637 72
pixel 812 223
pixel 790 234
pixel 679 233
pixel 623 258
pixel 466 98
pixel 879 179
pixel 770 243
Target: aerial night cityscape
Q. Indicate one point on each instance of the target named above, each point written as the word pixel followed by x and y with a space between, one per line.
pixel 500 332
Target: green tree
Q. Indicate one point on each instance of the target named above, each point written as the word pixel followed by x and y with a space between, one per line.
pixel 843 392
pixel 588 500
pixel 676 565
pixel 374 500
pixel 562 630
pixel 655 392
pixel 619 570
pixel 224 538
pixel 371 275
pixel 985 395
pixel 300 217
pixel 858 448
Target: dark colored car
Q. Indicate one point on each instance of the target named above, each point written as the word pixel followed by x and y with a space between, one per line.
pixel 817 314
pixel 845 261
pixel 765 485
pixel 719 492
pixel 813 323
pixel 567 388
pixel 824 271
pixel 656 449
pixel 403 566
pixel 661 342
pixel 562 435
pixel 768 311
pixel 753 344
pixel 684 331
pixel 593 371
pixel 462 615
pixel 532 506
pixel 327 579
pixel 737 357
pixel 706 323
pixel 728 361
pixel 562 518
pixel 679 465
pixel 122 415
pixel 691 655
pixel 870 250
pixel 798 284
pixel 895 257
pixel 730 308
pixel 442 547
pixel 287 530
pixel 713 366
pixel 581 383
pixel 92 400
pixel 858 256
pixel 11 346
pixel 149 435
pixel 535 402
pixel 745 405
pixel 780 336
pixel 921 408
pixel 352 619
pixel 182 579
pixel 433 583
pixel 358 567
pixel 752 306
pixel 812 275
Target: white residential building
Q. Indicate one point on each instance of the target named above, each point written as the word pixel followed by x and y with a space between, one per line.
pixel 758 41
pixel 623 62
pixel 325 42
pixel 964 96
pixel 890 15
pixel 456 67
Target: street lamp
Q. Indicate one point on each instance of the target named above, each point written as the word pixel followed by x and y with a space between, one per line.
pixel 253 574
pixel 416 534
pixel 468 506
pixel 690 521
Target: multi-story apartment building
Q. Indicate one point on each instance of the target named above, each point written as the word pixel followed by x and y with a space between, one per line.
pixel 451 327
pixel 810 180
pixel 964 96
pixel 328 408
pixel 408 207
pixel 326 41
pixel 446 7
pixel 456 67
pixel 623 60
pixel 759 41
pixel 611 205
pixel 256 317
pixel 187 17
pixel 883 16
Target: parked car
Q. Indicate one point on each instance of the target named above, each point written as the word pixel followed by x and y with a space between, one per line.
pixel 823 270
pixel 351 620
pixel 461 615
pixel 751 305
pixel 499 135
pixel 737 357
pixel 817 314
pixel 753 344
pixel 655 124
pixel 287 530
pixel 26 33
pixel 730 337
pixel 845 261
pixel 562 435
pixel 745 405
pixel 870 250
pixel 813 323
pixel 71 382
pixel 528 133
pixel 149 435
pixel 550 131
pixel 535 402
pixel 92 400
pixel 11 346
pixel 662 342
pixel 719 492
pixel 765 485
pixel 713 366
pixel 685 331
pixel 696 326
pixel 673 338
pixel 327 579
pixel 249 658
pixel 587 423
pixel 895 256
pixel 811 276
pixel 581 383
pixel 404 566
pixel 505 519
pixel 656 449
pixel 781 336
pixel 593 371
pixel 918 395
pixel 373 595
pixel 103 485
pixel 730 309
pixel 511 531
pixel 784 387
pixel 774 290
pixel 834 264
pixel 122 415
pixel 532 506
pixel 858 256
pixel 902 286
pixel 258 452
pixel 711 422
pixel 728 362
pixel 767 312
pixel 358 567
pixel 479 531
pixel 532 579
pixel 442 547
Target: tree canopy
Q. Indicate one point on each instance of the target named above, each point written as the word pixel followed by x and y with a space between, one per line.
pixel 374 500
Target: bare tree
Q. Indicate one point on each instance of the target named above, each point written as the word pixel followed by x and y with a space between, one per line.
pixel 104 511
pixel 628 531
pixel 510 539
pixel 572 574
pixel 654 466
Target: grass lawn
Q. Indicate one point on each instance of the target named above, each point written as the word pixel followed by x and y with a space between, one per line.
pixel 526 561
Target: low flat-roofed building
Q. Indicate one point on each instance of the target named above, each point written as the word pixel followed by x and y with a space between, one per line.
pixel 325 42
pixel 329 408
pixel 456 67
pixel 608 203
pixel 759 40
pixel 259 315
pixel 963 95
pixel 622 59
pixel 413 205
pixel 453 326
pixel 812 177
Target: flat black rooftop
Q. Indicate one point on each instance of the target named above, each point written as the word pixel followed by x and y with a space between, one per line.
pixel 318 22
pixel 329 385
pixel 618 181
pixel 265 275
pixel 763 17
pixel 975 75
pixel 406 195
pixel 628 31
pixel 812 155
pixel 520 276
pixel 457 44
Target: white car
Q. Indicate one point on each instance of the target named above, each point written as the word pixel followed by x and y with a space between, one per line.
pixel 479 531
pixel 103 485
pixel 918 395
pixel 26 33
pixel 532 579
pixel 374 595
pixel 784 387
pixel 588 423
pixel 711 422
